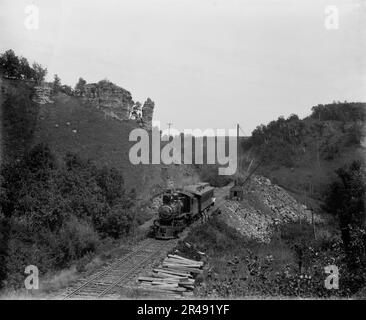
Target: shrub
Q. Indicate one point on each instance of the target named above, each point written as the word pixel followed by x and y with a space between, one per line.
pixel 3 248
pixel 15 67
pixel 116 223
pixel 56 213
pixel 240 267
pixel 74 240
pixel 346 200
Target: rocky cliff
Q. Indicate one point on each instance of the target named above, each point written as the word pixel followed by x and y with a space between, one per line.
pixel 264 207
pixel 42 94
pixel 147 113
pixel 117 102
pixel 113 100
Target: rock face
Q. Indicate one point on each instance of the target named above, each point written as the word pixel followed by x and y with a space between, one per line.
pixel 264 207
pixel 42 94
pixel 147 113
pixel 114 101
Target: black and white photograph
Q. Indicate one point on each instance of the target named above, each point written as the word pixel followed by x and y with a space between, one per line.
pixel 182 151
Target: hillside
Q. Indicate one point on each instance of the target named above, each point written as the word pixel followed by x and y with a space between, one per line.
pixel 67 186
pixel 77 124
pixel 301 155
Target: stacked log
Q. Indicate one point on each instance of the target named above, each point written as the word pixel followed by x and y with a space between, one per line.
pixel 175 276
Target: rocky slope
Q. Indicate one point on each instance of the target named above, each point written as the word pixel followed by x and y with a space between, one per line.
pixel 302 154
pixel 264 207
pixel 114 101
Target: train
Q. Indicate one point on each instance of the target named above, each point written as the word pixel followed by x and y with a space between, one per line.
pixel 181 207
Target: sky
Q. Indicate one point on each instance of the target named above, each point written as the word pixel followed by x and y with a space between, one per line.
pixel 205 63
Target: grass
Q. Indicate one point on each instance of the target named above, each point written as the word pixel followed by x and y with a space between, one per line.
pixel 71 125
pixel 239 267
pixel 55 282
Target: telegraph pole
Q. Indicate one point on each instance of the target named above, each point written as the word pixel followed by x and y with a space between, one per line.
pixel 169 125
pixel 237 148
pixel 312 210
pixel 317 145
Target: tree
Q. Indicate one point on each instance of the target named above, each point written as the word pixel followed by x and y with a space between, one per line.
pixel 15 67
pixel 80 86
pixel 136 110
pixel 293 117
pixel 25 71
pixel 54 211
pixel 56 83
pixel 3 245
pixel 39 72
pixel 9 63
pixel 346 200
pixel 67 90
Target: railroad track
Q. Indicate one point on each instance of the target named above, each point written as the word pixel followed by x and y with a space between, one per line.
pixel 122 271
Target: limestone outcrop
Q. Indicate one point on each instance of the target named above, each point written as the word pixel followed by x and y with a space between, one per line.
pixel 147 113
pixel 113 100
pixel 104 95
pixel 42 94
pixel 265 206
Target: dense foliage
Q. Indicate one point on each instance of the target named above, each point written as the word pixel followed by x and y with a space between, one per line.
pixel 56 85
pixel 325 133
pixel 53 214
pixel 15 67
pixel 339 111
pixel 346 200
pixel 80 86
pixel 277 142
pixel 293 263
pixel 19 121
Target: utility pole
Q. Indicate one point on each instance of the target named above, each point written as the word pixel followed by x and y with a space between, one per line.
pixel 169 125
pixel 317 145
pixel 237 148
pixel 312 211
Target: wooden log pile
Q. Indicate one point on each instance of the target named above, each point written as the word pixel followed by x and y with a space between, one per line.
pixel 175 276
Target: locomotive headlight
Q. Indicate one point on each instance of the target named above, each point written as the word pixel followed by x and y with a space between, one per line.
pixel 165 212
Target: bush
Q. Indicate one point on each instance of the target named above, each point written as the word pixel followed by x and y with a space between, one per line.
pixel 340 111
pixel 292 264
pixel 3 248
pixel 15 67
pixel 56 213
pixel 75 239
pixel 116 223
pixel 345 199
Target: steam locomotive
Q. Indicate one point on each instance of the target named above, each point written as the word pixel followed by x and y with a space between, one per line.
pixel 182 207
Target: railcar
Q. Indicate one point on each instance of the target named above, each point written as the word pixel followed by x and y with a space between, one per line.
pixel 181 207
